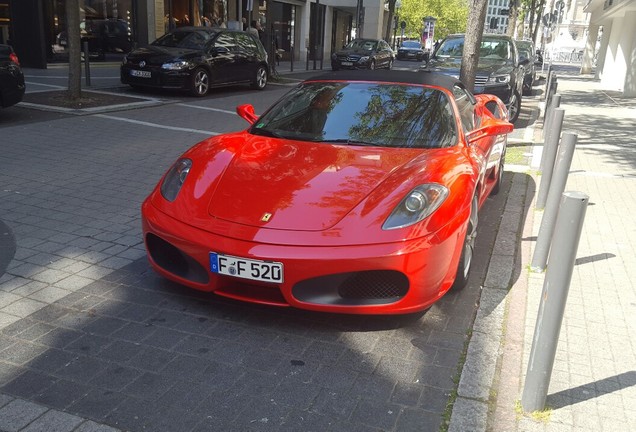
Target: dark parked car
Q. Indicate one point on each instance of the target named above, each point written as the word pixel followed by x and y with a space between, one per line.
pixel 528 58
pixel 363 54
pixel 196 59
pixel 11 77
pixel 103 36
pixel 499 71
pixel 411 50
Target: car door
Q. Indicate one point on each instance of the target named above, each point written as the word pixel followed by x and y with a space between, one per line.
pixel 246 57
pixel 385 53
pixel 221 58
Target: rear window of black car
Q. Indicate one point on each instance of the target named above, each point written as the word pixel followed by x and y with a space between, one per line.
pixel 185 39
pixel 361 113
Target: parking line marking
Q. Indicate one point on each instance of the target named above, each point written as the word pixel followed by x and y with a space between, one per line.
pixel 207 108
pixel 156 125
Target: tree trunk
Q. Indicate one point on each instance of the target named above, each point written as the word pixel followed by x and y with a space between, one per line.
pixel 74 49
pixel 472 42
pixel 513 14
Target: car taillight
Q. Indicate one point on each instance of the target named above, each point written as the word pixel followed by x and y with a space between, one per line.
pixel 14 58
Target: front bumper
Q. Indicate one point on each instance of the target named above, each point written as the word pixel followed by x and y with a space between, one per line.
pixel 159 78
pixel 389 278
pixel 502 91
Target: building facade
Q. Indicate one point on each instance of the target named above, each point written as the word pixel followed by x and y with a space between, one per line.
pixel 299 29
pixel 615 21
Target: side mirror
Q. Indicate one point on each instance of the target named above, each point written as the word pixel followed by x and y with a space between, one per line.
pixel 246 112
pixel 490 127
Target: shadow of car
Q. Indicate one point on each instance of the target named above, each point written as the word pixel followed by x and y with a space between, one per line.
pixel 12 85
pixel 363 54
pixel 196 59
pixel 499 70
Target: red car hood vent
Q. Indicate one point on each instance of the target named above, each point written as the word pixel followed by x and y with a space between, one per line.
pixel 292 185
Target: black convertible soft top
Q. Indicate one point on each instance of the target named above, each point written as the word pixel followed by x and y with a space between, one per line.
pixel 382 75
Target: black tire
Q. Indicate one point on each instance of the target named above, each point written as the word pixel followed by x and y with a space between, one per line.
pixel 468 249
pixel 515 107
pixel 199 82
pixel 260 78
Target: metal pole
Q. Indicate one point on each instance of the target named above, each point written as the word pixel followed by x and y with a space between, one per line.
pixel 549 112
pixel 553 298
pixel 557 186
pixel 549 156
pixel 87 67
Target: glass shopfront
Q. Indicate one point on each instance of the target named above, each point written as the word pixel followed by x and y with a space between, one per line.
pixel 106 26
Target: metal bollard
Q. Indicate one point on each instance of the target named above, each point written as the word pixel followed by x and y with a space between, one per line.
pixel 553 298
pixel 555 102
pixel 557 186
pixel 87 68
pixel 549 155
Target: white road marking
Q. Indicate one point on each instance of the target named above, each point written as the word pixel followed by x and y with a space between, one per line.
pixel 156 125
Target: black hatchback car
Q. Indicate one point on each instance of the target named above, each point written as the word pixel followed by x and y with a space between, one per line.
pixel 363 54
pixel 11 77
pixel 196 59
pixel 499 70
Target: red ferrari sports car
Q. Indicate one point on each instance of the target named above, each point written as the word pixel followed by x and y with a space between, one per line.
pixel 356 192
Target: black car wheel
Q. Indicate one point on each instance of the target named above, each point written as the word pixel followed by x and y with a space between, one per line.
pixel 260 80
pixel 466 259
pixel 200 82
pixel 527 86
pixel 515 107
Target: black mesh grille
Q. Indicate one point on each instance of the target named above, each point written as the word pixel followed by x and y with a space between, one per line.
pixel 374 285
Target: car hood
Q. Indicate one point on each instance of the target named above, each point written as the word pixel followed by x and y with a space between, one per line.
pixel 293 185
pixel 354 51
pixel 452 65
pixel 154 55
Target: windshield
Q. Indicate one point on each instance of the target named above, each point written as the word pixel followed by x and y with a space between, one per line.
pixel 367 45
pixel 374 114
pixel 496 49
pixel 184 39
pixel 411 44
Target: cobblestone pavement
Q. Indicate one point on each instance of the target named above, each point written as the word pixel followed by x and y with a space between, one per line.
pixel 92 340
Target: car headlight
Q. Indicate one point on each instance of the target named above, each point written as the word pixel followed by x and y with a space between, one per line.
pixel 499 79
pixel 416 205
pixel 174 179
pixel 178 65
pixel 364 59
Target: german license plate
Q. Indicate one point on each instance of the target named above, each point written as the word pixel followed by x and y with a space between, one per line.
pixel 347 63
pixel 140 74
pixel 245 268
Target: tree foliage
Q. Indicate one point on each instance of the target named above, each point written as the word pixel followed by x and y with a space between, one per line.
pixel 451 15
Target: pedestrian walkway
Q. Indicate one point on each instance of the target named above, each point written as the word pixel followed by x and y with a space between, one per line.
pixel 593 382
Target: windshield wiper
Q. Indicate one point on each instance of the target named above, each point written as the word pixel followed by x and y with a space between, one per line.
pixel 351 142
pixel 266 132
